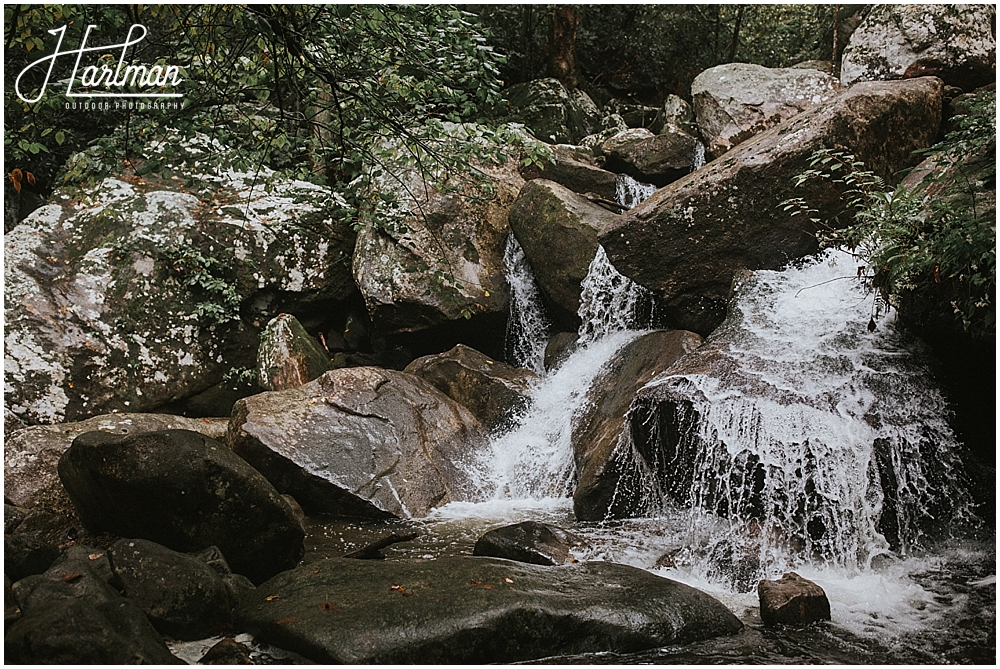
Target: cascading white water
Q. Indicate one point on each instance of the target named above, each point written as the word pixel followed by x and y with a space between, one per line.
pixel 610 302
pixel 534 460
pixel 699 155
pixel 528 329
pixel 629 192
pixel 816 438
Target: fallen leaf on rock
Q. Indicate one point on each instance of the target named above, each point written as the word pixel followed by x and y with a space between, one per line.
pixel 271 598
pixel 69 578
pixel 507 580
pixel 487 586
pixel 95 556
pixel 285 621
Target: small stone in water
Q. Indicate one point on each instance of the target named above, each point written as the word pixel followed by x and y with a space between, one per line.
pixel 792 600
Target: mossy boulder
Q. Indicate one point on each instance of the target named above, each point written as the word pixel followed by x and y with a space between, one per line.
pixel 688 241
pixel 558 230
pixel 288 357
pixel 550 111
pixel 140 292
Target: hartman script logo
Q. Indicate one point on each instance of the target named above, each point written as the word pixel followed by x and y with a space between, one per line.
pixel 102 82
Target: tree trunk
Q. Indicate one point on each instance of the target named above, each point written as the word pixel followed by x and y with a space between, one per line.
pixel 562 45
pixel 735 43
pixel 836 41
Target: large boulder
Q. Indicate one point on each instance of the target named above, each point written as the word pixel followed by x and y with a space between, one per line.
pixel 658 160
pixel 358 442
pixel 953 42
pixel 81 273
pixel 462 610
pixel 31 454
pixel 550 111
pixel 576 169
pixel 688 241
pixel 558 229
pixel 734 102
pixel 434 256
pixel 493 391
pixel 288 357
pixel 602 430
pixel 185 491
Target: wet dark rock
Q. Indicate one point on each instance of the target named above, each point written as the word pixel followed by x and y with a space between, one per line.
pixel 560 347
pixel 558 230
pixel 954 42
pixel 358 442
pixel 792 600
pixel 530 541
pixel 688 241
pixel 185 491
pixel 181 595
pixel 227 651
pixel 77 631
pixel 605 488
pixel 659 160
pixel 475 610
pixel 288 357
pixel 11 611
pixel 493 391
pixel 75 578
pixel 576 169
pixel 37 542
pixel 32 454
pixel 12 517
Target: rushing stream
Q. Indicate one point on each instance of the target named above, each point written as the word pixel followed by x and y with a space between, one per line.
pixel 819 446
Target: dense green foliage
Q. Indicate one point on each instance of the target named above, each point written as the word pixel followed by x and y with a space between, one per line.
pixel 933 244
pixel 316 92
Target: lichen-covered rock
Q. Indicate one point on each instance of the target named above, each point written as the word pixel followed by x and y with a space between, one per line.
pixel 792 600
pixel 953 42
pixel 288 357
pixel 185 491
pixel 181 595
pixel 550 112
pixel 736 101
pixel 610 126
pixel 601 431
pixel 530 541
pixel 658 160
pixel 688 241
pixel 31 455
pixel 82 273
pixel 622 138
pixel 558 229
pixel 475 610
pixel 435 256
pixel 358 442
pixel 493 391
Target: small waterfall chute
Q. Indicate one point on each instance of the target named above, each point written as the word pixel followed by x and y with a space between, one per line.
pixel 528 328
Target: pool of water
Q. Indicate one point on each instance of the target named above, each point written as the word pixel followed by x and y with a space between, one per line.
pixel 936 606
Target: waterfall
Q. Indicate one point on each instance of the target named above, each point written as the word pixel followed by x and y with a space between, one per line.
pixel 610 302
pixel 699 155
pixel 629 192
pixel 814 437
pixel 528 328
pixel 535 459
